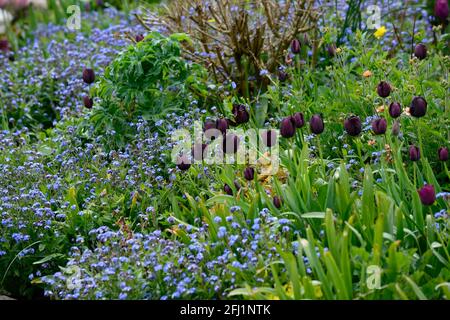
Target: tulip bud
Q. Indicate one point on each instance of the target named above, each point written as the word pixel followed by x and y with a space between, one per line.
pixel 443 154
pixel 240 114
pixel 396 128
pixel 295 46
pixel 269 137
pixel 283 76
pixel 287 128
pixel 316 124
pixel 249 173
pixel 237 185
pixel 88 102
pixel 418 107
pixel 395 110
pixel 4 45
pixel 209 125
pixel 420 51
pixel 441 9
pixel 331 50
pixel 227 189
pixel 298 120
pixel 427 195
pixel 139 37
pixel 222 125
pixel 384 89
pixel 183 163
pixel 198 150
pixel 230 143
pixel 414 153
pixel 88 76
pixel 353 126
pixel 277 202
pixel 379 126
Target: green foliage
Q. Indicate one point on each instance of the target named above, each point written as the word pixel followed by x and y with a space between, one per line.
pixel 149 80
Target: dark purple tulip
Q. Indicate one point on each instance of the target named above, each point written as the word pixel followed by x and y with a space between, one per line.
pixel 183 163
pixel 353 126
pixel 88 102
pixel 414 153
pixel 227 189
pixel 331 50
pixel 237 185
pixel 283 76
pixel 88 76
pixel 295 46
pixel 418 107
pixel 395 109
pixel 209 125
pixel 443 154
pixel 222 125
pixel 269 138
pixel 249 173
pixel 277 202
pixel 139 37
pixel 420 51
pixel 384 89
pixel 287 128
pixel 298 120
pixel 441 9
pixel 4 45
pixel 198 151
pixel 240 114
pixel 379 126
pixel 396 128
pixel 316 124
pixel 230 143
pixel 427 195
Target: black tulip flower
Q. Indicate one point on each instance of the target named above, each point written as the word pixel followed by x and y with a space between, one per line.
pixel 183 163
pixel 396 128
pixel 249 173
pixel 395 109
pixel 209 125
pixel 418 107
pixel 331 50
pixel 198 150
pixel 88 102
pixel 230 143
pixel 420 51
pixel 222 125
pixel 287 128
pixel 269 138
pixel 379 126
pixel 139 37
pixel 277 202
pixel 227 189
pixel 316 124
pixel 237 185
pixel 298 120
pixel 240 114
pixel 295 46
pixel 283 76
pixel 384 89
pixel 427 195
pixel 353 126
pixel 4 45
pixel 443 154
pixel 441 9
pixel 414 153
pixel 88 76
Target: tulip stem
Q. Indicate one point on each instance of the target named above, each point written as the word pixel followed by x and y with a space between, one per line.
pixel 358 148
